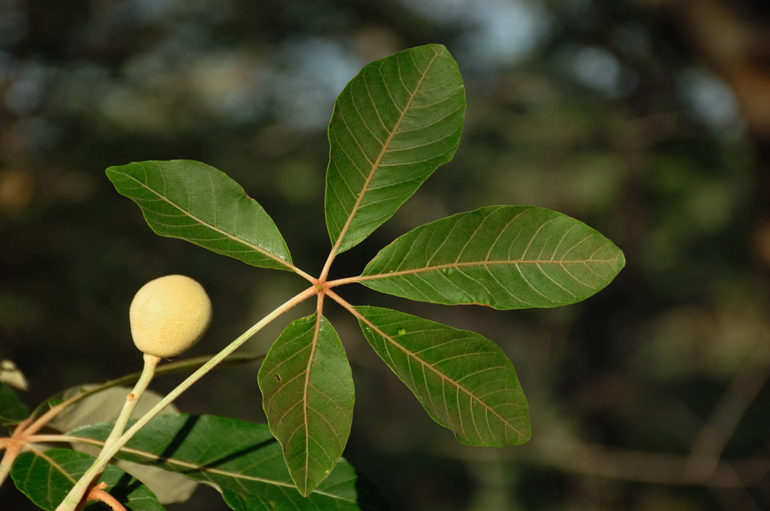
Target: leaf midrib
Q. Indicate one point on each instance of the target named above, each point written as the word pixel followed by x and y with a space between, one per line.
pixel 305 389
pixel 226 234
pixel 466 264
pixel 54 464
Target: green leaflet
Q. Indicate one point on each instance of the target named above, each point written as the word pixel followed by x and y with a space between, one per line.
pixel 198 203
pixel 392 126
pixel 463 380
pixel 307 389
pixel 507 257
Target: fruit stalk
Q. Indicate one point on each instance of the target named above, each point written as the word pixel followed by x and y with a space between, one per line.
pixel 95 470
pixel 148 372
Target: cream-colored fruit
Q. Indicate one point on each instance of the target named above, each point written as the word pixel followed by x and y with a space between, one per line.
pixel 168 315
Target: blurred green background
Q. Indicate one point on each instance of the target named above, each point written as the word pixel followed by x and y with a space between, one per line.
pixel 647 119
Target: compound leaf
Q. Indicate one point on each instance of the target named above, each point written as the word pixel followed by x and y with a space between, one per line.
pixel 307 389
pixel 462 379
pixel 198 203
pixel 507 257
pixel 392 126
pixel 241 459
pixel 46 477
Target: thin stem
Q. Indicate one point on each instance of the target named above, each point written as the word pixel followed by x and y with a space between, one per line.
pixel 337 298
pixel 301 273
pixel 98 494
pixel 350 280
pixel 329 260
pixel 77 492
pixel 148 371
pixel 12 449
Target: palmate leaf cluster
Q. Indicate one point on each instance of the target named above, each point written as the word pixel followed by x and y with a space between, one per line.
pixel 392 126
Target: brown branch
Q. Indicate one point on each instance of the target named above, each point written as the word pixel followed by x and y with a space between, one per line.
pixel 627 464
pixel 657 468
pixel 725 417
pixel 702 467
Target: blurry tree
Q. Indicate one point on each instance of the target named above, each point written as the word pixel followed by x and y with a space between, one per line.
pixel 740 55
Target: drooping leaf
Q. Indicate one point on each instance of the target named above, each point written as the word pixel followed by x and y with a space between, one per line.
pixel 392 126
pixel 242 460
pixel 45 477
pixel 462 379
pixel 196 202
pixel 12 408
pixel 307 389
pixel 507 257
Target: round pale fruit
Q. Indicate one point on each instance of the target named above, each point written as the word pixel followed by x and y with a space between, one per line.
pixel 168 315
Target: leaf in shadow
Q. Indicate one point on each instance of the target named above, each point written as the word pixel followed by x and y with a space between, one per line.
pixel 238 458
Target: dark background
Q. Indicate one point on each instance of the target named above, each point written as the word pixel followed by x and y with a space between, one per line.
pixel 647 119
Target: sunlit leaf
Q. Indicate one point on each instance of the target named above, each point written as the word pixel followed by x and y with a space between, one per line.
pixel 392 126
pixel 507 257
pixel 242 460
pixel 307 389
pixel 46 477
pixel 12 408
pixel 463 380
pixel 201 204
